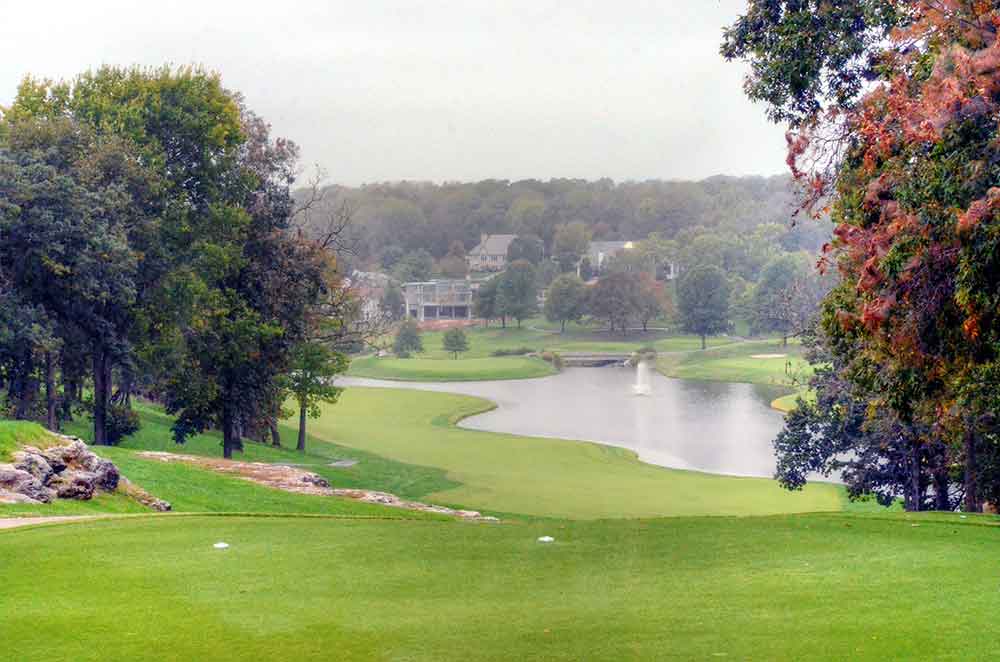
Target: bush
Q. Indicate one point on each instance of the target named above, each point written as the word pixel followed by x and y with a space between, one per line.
pixel 403 355
pixel 554 359
pixel 121 422
pixel 517 351
pixel 646 353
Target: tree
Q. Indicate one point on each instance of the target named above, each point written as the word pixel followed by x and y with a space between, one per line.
pixel 566 300
pixel 570 243
pixel 310 381
pixel 904 157
pixel 651 300
pixel 786 299
pixel 529 247
pixel 703 301
pixel 517 295
pixel 393 303
pixel 416 266
pixel 613 299
pixel 408 339
pixel 455 342
pixel 484 305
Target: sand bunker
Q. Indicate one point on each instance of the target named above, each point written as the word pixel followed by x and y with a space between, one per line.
pixel 768 356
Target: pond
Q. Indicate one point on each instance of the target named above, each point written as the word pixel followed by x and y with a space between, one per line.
pixel 715 427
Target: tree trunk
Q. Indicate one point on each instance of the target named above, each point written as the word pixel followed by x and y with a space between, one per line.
pixel 301 446
pixel 101 393
pixel 51 421
pixel 940 478
pixel 562 327
pixel 915 495
pixel 272 423
pixel 972 503
pixel 703 341
pixel 229 437
pixel 784 340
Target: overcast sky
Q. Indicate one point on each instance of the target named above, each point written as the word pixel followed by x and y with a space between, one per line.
pixel 378 90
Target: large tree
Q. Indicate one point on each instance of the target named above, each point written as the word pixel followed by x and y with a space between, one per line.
pixel 905 156
pixel 517 292
pixel 566 300
pixel 703 301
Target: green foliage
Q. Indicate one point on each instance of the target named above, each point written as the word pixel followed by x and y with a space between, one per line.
pixel 455 342
pixel 122 421
pixel 407 339
pixel 703 301
pixel 530 248
pixel 566 300
pixel 393 303
pixel 414 267
pixel 517 294
pixel 804 55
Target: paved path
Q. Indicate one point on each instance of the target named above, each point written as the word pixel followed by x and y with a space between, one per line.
pixel 14 522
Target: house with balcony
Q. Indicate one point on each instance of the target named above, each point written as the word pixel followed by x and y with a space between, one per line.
pixel 438 300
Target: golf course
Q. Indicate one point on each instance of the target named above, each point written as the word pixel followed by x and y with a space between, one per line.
pixel 647 562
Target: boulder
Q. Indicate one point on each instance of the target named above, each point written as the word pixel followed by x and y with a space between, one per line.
pixel 74 484
pixel 21 482
pixel 316 480
pixel 74 454
pixel 34 463
pixel 8 498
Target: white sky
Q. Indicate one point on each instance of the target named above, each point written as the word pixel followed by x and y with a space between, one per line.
pixel 378 90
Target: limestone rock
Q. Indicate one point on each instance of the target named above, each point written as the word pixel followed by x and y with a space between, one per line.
pixel 316 480
pixel 143 497
pixel 22 482
pixel 34 463
pixel 74 484
pixel 7 498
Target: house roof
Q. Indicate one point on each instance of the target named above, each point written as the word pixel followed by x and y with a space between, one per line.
pixel 494 244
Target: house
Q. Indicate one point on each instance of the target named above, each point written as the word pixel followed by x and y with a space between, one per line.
pixel 598 252
pixel 491 252
pixel 369 288
pixel 438 300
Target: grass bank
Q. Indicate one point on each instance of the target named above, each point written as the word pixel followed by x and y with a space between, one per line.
pixel 792 587
pixel 767 362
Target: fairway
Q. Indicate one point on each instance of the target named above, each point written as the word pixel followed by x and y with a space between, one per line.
pixel 448 369
pixel 799 587
pixel 542 477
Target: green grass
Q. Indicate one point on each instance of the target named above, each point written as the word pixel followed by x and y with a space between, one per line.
pixel 190 489
pixel 813 587
pixel 736 363
pixel 542 477
pixel 14 434
pixel 454 370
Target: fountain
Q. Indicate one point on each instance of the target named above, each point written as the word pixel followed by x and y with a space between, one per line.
pixel 642 383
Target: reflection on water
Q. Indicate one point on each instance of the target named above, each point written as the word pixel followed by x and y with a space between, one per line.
pixel 708 426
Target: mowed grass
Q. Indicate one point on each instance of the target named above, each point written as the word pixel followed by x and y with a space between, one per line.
pixel 741 362
pixel 478 363
pixel 810 587
pixel 483 341
pixel 542 477
pixel 454 370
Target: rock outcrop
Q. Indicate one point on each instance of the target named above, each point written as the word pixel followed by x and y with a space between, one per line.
pixel 67 471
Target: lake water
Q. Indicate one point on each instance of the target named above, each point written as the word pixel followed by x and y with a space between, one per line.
pixel 706 426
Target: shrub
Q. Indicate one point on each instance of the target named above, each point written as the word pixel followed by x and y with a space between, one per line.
pixel 121 422
pixel 517 351
pixel 554 359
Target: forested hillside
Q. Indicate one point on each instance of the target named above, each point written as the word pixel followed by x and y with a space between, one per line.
pixel 393 219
